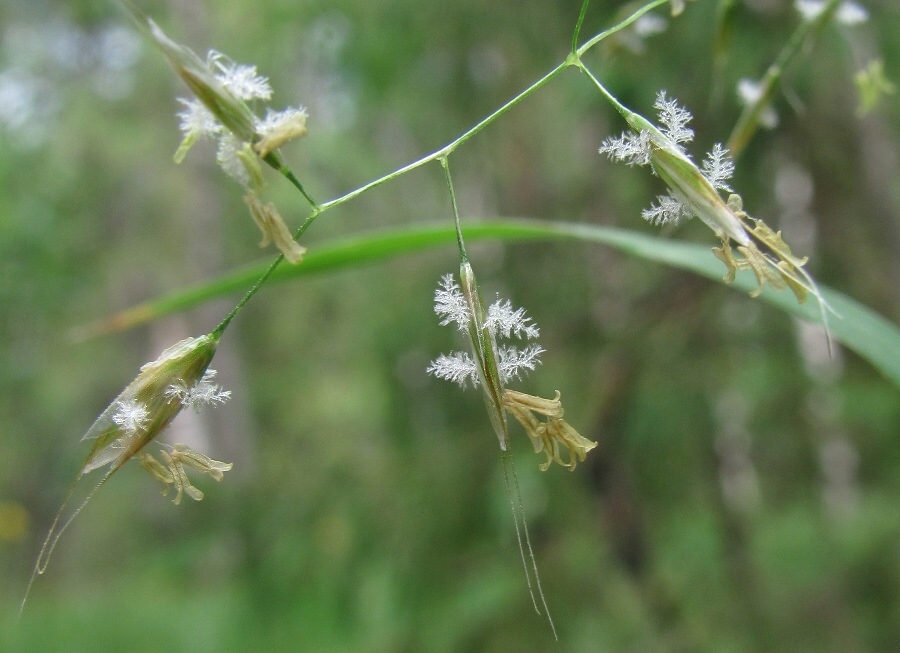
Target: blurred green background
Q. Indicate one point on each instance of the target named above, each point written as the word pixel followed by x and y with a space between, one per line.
pixel 744 493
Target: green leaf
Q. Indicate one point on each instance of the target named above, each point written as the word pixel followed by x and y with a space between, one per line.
pixel 857 327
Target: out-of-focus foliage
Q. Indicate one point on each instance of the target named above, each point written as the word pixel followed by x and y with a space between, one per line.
pixel 743 494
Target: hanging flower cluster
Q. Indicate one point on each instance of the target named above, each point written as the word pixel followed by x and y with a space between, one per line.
pixel 491 366
pixel 693 191
pixel 265 134
pixel 178 378
pixel 143 410
pixel 221 110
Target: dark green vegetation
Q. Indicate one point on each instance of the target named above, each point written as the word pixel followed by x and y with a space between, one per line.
pixel 743 496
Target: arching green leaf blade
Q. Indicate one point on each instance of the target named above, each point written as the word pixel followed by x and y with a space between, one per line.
pixel 857 327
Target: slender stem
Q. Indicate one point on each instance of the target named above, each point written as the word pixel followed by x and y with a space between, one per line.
pixel 388 177
pixel 621 108
pixel 289 174
pixel 749 119
pixel 449 147
pixel 618 27
pixel 463 255
pixel 578 24
pixel 275 161
pixel 573 59
pixel 219 330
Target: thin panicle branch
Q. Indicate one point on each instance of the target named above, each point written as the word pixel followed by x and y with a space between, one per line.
pixel 577 32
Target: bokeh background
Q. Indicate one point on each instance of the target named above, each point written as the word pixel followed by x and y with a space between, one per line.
pixel 744 493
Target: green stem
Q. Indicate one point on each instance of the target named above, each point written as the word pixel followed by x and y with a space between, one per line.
pixel 449 147
pixel 578 24
pixel 289 174
pixel 748 121
pixel 219 330
pixel 621 108
pixel 463 255
pixel 618 27
pixel 572 60
pixel 274 160
pixel 439 155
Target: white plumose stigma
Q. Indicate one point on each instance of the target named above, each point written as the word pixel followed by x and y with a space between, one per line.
pixel 240 79
pixel 718 168
pixel 131 415
pixel 228 160
pixel 196 119
pixel 450 304
pixel 202 393
pixel 674 118
pixel 513 361
pixel 633 149
pixel 503 321
pixel 667 210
